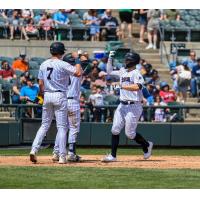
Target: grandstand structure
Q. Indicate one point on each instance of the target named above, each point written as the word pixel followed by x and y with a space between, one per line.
pixel 186 31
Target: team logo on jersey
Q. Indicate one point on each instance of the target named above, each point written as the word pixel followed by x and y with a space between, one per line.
pixel 126 79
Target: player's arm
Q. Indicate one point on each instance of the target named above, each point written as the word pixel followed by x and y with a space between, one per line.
pixel 132 87
pixel 109 66
pixel 78 71
pixel 41 87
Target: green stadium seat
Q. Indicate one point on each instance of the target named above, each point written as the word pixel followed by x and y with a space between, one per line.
pixel 18 73
pixel 39 60
pixel 34 73
pixel 113 45
pixel 33 65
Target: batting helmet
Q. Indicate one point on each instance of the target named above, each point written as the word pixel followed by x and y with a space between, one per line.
pixel 132 59
pixel 57 48
pixel 68 58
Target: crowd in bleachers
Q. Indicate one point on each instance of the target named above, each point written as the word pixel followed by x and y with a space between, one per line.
pixel 93 24
pixel 18 80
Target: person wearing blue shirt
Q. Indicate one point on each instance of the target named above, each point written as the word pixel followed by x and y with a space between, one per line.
pixel 191 62
pixel 60 17
pixel 30 91
pixel 195 78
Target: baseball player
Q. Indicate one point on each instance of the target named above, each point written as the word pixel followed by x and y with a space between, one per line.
pixel 53 81
pixel 73 113
pixel 129 110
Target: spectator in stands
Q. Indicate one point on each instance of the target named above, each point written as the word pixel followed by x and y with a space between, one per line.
pixel 159 114
pixel 6 71
pixel 93 21
pixel 21 64
pixel 101 81
pixel 3 13
pixel 85 63
pixel 147 71
pixel 98 101
pixel 46 26
pixel 103 63
pixel 28 95
pixel 195 81
pixel 60 18
pixel 27 14
pixel 38 16
pixel 154 16
pixel 155 79
pixel 191 61
pixel 82 104
pixel 183 81
pixel 16 25
pixel 30 27
pixel 17 85
pixel 94 74
pixel 111 26
pixel 171 14
pixel 167 95
pixel 29 92
pixel 143 23
pixel 125 16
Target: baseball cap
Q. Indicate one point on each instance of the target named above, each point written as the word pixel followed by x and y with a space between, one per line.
pixel 31 78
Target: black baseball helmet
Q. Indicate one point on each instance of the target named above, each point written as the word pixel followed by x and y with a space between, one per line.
pixel 68 58
pixel 132 59
pixel 57 48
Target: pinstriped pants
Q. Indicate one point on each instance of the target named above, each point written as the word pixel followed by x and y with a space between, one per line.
pixel 54 103
pixel 73 114
pixel 128 116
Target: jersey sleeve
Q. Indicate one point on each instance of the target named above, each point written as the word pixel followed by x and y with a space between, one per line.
pixel 69 68
pixel 137 77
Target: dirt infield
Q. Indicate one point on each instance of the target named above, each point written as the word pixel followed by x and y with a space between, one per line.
pixel 156 162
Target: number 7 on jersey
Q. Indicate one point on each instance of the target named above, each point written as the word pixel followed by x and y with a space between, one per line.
pixel 49 75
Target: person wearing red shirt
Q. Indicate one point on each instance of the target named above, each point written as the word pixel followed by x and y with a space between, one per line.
pixel 6 72
pixel 167 95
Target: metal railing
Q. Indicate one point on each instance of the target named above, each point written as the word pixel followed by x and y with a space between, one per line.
pixel 17 111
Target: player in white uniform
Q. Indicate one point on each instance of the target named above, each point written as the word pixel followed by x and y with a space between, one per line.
pixel 129 110
pixel 73 113
pixel 53 81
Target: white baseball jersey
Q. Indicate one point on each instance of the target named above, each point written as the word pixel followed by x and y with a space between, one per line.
pixel 55 74
pixel 127 78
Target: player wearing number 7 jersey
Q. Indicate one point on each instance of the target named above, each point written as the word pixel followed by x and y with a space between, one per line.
pixel 53 81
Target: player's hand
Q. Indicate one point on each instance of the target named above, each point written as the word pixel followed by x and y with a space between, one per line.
pixel 111 54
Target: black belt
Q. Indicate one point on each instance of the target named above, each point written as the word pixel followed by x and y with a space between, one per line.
pixel 70 97
pixel 127 102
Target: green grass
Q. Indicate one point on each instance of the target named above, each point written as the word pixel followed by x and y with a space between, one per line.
pixel 68 177
pixel 102 151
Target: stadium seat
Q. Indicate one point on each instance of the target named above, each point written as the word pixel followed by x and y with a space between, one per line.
pixel 113 45
pixel 39 60
pixel 8 59
pixel 18 73
pixel 34 72
pixel 33 65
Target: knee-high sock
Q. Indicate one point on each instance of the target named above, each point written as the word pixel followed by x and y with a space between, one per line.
pixel 140 140
pixel 72 148
pixel 114 145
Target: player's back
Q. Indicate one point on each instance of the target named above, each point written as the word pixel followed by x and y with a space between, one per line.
pixel 55 74
pixel 74 87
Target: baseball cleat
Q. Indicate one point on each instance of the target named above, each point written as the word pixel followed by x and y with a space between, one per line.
pixel 149 152
pixel 73 158
pixel 62 160
pixel 33 157
pixel 55 157
pixel 109 158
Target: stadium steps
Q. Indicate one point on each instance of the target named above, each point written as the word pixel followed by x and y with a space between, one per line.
pixel 4 114
pixel 192 119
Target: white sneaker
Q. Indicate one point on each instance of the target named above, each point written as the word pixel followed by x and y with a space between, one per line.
pixel 148 154
pixel 55 157
pixel 109 158
pixel 33 157
pixel 150 46
pixel 62 160
pixel 73 158
pixel 154 47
